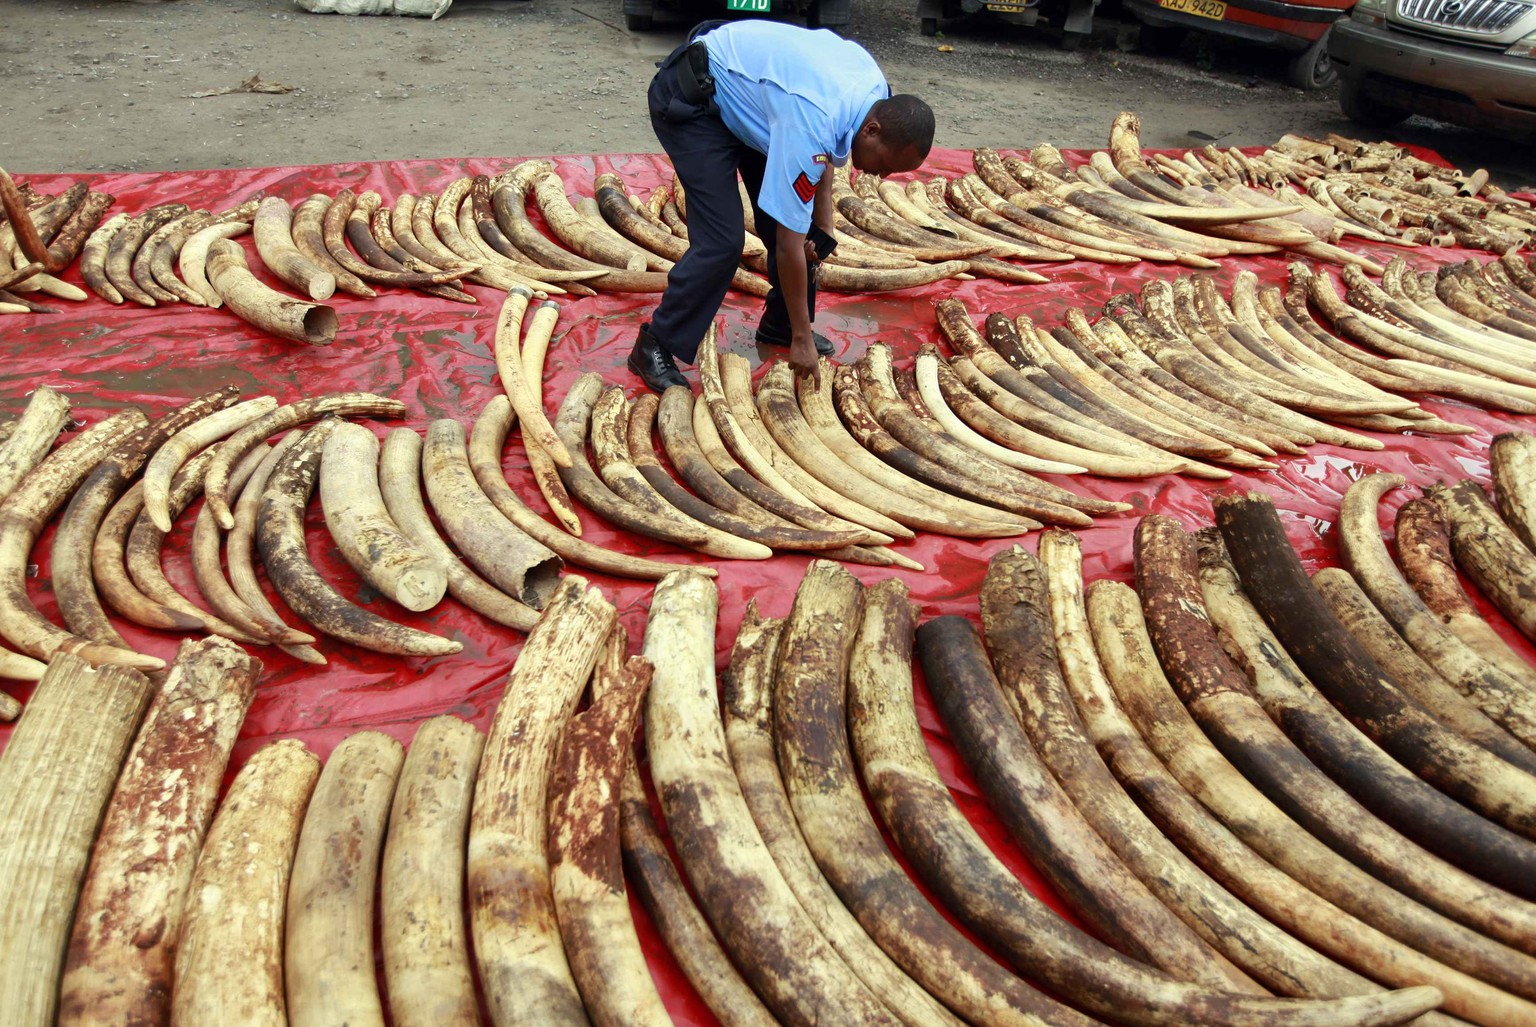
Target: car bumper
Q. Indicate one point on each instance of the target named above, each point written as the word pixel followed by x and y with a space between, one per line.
pixel 1270 22
pixel 1481 88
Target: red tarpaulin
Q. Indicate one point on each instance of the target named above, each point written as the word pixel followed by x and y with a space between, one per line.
pixel 436 356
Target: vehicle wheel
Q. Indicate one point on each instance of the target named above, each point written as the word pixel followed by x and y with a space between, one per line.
pixel 638 22
pixel 1362 110
pixel 929 26
pixel 1311 69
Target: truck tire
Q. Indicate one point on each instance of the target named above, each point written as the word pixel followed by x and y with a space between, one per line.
pixel 1362 110
pixel 1311 69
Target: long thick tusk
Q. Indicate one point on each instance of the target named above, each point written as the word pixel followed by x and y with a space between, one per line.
pixel 517 944
pixel 229 958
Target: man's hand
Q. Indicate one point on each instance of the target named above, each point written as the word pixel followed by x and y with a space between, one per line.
pixel 803 357
pixel 811 260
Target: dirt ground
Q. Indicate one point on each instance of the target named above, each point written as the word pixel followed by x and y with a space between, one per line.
pixel 114 86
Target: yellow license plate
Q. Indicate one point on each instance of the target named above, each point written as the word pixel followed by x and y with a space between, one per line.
pixel 1008 8
pixel 1213 9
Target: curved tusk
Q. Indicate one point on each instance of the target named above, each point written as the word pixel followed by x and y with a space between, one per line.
pixel 518 565
pixel 257 303
pixel 182 446
pixel 486 444
pixel 22 517
pixel 342 404
pixel 308 231
pixel 240 555
pixel 193 260
pixel 360 525
pixel 280 538
pixel 400 483
pixel 208 570
pixel 272 229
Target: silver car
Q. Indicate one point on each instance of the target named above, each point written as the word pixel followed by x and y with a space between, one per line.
pixel 1472 62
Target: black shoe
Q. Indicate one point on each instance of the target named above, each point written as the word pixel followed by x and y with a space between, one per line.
pixel 768 337
pixel 653 364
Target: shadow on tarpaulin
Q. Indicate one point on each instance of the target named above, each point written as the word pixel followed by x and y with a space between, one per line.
pixel 436 356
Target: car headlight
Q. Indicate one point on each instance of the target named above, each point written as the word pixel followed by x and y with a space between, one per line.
pixel 1524 48
pixel 1372 12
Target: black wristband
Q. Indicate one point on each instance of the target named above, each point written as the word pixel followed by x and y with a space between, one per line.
pixel 823 243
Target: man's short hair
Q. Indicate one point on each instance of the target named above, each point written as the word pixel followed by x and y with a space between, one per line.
pixel 906 121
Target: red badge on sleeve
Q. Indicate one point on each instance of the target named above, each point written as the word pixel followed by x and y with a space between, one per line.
pixel 805 188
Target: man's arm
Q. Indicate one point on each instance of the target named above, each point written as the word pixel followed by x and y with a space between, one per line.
pixel 794 274
pixel 821 211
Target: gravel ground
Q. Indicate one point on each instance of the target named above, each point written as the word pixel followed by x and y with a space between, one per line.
pixel 112 86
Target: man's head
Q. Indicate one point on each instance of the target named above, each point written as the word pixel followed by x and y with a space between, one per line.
pixel 896 136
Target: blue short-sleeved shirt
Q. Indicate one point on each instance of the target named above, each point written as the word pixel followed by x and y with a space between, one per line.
pixel 798 97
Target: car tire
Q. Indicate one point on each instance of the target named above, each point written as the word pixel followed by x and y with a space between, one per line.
pixel 638 22
pixel 1362 110
pixel 1311 69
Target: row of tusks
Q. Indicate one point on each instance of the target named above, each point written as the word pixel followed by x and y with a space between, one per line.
pixel 1200 378
pixel 110 537
pixel 1465 329
pixel 762 473
pixel 1119 207
pixel 1386 188
pixel 1128 739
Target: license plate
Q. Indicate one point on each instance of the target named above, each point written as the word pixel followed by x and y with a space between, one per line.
pixel 1213 9
pixel 755 6
pixel 1008 8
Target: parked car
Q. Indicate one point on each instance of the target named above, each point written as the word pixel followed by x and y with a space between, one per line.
pixel 1472 62
pixel 1075 17
pixel 826 14
pixel 1300 26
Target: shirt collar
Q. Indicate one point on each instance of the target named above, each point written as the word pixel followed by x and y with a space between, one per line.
pixel 845 142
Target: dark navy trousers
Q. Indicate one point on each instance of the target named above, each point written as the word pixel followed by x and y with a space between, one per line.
pixel 707 157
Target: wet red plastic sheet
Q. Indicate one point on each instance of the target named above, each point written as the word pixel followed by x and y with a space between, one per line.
pixel 436 356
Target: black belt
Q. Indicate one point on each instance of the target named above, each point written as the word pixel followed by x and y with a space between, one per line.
pixel 694 81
